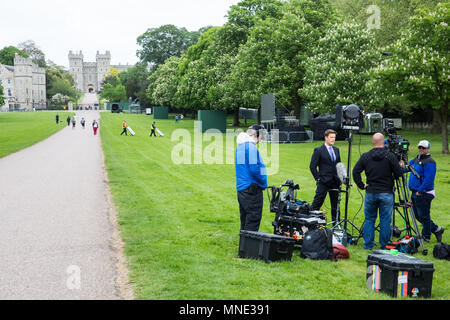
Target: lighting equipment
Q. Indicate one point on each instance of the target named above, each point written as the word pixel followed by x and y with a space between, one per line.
pixel 349 117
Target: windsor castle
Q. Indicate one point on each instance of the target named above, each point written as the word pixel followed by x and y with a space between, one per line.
pixel 88 76
pixel 23 85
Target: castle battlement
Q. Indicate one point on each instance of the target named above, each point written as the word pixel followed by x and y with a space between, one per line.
pixel 88 76
pixel 19 60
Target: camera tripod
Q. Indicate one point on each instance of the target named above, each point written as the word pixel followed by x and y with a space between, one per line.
pixel 405 204
pixel 404 209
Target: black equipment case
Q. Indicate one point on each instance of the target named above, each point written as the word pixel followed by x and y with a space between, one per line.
pixel 265 246
pixel 399 274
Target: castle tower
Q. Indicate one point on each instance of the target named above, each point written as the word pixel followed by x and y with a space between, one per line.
pixel 23 81
pixel 103 64
pixel 39 87
pixel 76 69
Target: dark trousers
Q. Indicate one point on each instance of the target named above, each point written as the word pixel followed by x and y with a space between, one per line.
pixel 124 131
pixel 321 194
pixel 250 207
pixel 153 133
pixel 421 208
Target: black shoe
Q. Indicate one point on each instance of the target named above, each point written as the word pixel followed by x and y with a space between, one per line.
pixel 439 233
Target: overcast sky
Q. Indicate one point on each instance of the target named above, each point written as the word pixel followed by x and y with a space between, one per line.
pixel 57 26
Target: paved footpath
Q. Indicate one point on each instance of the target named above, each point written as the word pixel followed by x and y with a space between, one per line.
pixel 56 237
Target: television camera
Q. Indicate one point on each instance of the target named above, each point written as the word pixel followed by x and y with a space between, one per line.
pixel 293 217
pixel 395 143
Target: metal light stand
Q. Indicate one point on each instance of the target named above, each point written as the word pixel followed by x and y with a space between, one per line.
pixel 347 183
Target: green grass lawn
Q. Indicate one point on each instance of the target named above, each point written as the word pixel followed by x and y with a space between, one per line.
pixel 180 223
pixel 19 130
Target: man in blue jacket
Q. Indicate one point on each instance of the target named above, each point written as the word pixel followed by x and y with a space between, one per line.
pixel 251 177
pixel 422 189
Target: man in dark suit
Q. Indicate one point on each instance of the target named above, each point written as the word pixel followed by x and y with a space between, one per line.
pixel 325 158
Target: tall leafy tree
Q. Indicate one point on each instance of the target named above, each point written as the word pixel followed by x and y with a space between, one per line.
pixel 114 93
pixel 159 44
pixel 272 58
pixel 417 68
pixel 7 55
pixel 204 84
pixel 338 68
pixel 163 83
pixel 136 81
pixel 32 49
pixel 58 80
pixel 386 18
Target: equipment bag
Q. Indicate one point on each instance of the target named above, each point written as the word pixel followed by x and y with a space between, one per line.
pixel 442 251
pixel 340 252
pixel 318 244
pixel 407 244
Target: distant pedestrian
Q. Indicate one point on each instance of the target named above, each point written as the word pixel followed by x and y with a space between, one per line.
pixel 95 127
pixel 124 126
pixel 68 120
pixel 176 118
pixel 83 122
pixel 57 119
pixel 74 122
pixel 153 129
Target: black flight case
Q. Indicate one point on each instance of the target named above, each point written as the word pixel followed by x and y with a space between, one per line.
pixel 265 246
pixel 399 274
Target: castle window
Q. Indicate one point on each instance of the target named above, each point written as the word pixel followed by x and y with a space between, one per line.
pixel 9 92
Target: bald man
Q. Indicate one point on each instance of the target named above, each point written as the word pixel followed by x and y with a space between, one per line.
pixel 381 168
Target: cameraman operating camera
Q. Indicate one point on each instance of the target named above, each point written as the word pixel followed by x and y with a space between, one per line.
pixel 380 167
pixel 251 177
pixel 422 189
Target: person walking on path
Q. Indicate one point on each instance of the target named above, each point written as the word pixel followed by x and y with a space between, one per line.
pixel 124 126
pixel 74 122
pixel 68 120
pixel 83 122
pixel 95 127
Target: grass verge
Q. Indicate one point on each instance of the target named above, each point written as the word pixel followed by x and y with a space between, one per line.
pixel 19 130
pixel 180 223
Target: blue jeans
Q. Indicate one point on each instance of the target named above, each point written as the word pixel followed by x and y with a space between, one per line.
pixel 421 208
pixel 374 202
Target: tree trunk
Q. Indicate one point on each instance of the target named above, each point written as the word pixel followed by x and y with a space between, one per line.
pixel 436 123
pixel 297 107
pixel 236 118
pixel 444 126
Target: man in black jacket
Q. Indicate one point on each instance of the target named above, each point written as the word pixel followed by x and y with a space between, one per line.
pixel 381 167
pixel 325 158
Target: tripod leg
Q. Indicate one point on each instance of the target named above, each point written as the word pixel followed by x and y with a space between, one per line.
pixel 409 213
pixel 418 234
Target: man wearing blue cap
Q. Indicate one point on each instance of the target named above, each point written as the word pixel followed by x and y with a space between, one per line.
pixel 422 189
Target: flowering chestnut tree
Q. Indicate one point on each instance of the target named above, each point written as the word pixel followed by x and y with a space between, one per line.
pixel 417 67
pixel 338 68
